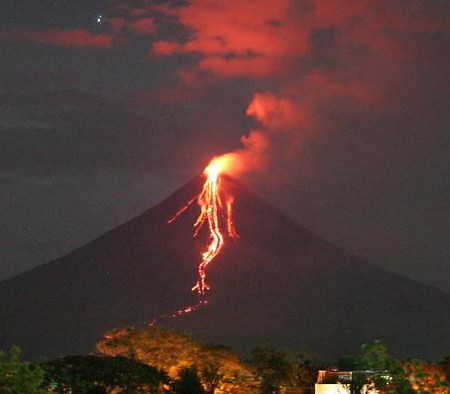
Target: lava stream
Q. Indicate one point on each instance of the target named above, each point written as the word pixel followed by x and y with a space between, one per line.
pixel 216 209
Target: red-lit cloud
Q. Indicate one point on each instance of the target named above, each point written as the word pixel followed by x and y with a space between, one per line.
pixel 166 48
pixel 62 38
pixel 237 38
pixel 118 23
pixel 260 38
pixel 325 58
pixel 143 26
pixel 328 58
pixel 272 111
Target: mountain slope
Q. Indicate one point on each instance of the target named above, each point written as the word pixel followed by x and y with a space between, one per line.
pixel 278 283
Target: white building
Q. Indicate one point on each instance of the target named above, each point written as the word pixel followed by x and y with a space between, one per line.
pixel 339 382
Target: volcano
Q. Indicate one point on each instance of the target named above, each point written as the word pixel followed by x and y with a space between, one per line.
pixel 278 283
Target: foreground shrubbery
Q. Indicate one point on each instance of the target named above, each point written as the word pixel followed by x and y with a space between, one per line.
pixel 99 374
pixel 130 361
pixel 19 377
pixel 218 368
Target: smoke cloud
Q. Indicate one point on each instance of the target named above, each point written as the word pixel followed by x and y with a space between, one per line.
pixel 334 63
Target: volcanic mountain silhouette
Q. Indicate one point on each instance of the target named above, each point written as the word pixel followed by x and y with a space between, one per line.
pixel 278 283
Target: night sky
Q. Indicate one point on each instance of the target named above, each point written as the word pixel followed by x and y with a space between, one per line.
pixel 339 110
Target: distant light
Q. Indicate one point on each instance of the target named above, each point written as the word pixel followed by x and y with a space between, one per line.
pixel 99 18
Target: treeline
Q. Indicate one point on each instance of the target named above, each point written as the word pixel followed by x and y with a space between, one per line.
pixel 129 361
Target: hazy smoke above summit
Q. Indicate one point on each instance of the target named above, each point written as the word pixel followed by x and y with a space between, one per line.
pixel 339 66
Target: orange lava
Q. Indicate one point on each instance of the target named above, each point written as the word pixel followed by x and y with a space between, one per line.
pixel 216 209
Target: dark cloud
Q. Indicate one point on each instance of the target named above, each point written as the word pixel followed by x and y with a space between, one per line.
pixel 81 132
pixel 56 99
pixel 63 38
pixel 14 80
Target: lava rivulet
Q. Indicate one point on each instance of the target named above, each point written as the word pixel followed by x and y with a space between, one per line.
pixel 216 209
pixel 216 213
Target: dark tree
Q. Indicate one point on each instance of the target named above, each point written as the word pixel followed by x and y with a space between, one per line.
pixel 97 390
pixel 278 369
pixel 19 377
pixel 388 373
pixel 188 382
pixel 85 374
pixel 273 366
pixel 445 366
pixel 348 363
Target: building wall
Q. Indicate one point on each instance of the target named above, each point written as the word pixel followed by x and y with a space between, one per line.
pixel 331 389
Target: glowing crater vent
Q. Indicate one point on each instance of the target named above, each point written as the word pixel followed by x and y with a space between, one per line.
pixel 216 211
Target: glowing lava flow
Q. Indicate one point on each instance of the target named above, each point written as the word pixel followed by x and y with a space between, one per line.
pixel 211 204
pixel 216 209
